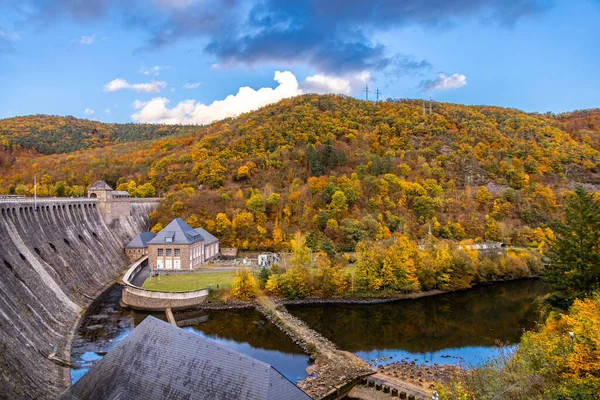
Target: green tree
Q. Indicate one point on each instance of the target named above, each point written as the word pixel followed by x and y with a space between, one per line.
pixel 574 269
pixel 61 189
pixel 424 206
pixel 338 205
pixel 256 203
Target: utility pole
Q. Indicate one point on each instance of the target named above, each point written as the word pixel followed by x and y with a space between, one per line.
pixel 377 93
pixel 366 90
pixel 34 192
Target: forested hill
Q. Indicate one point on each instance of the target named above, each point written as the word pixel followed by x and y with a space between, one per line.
pixel 46 134
pixel 345 169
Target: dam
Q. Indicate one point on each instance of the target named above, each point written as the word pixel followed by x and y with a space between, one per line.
pixel 56 256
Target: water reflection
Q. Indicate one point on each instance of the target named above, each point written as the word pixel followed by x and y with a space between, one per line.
pixel 448 329
pixel 246 331
pixel 444 329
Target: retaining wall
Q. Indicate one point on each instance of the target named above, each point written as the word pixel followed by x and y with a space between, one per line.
pixel 142 299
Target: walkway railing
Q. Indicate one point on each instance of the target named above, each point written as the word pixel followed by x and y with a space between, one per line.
pixel 71 199
pixel 30 200
pixel 133 270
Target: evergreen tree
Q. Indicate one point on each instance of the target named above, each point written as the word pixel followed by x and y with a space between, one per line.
pixel 574 269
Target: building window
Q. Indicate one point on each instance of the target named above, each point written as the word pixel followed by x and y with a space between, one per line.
pixel 160 252
pixel 168 252
pixel 177 252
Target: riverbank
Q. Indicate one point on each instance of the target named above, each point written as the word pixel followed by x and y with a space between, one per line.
pixel 231 304
pixel 456 328
pixel 423 375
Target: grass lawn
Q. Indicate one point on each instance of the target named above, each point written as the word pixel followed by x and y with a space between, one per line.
pixel 187 282
pixel 351 269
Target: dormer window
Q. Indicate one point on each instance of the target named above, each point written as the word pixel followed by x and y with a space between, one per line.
pixel 169 237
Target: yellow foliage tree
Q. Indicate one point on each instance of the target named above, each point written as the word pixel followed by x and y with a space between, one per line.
pixel 272 286
pixel 399 268
pixel 243 286
pixel 157 227
pixel 483 196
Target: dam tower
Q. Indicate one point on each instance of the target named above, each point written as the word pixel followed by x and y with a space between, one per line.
pixel 112 204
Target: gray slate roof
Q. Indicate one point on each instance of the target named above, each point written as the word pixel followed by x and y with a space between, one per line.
pixel 208 238
pixel 160 361
pixel 100 185
pixel 140 241
pixel 181 233
pixel 120 193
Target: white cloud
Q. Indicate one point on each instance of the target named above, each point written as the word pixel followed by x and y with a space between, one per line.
pixel 155 70
pixel 331 84
pixel 326 84
pixel 89 111
pixel 107 110
pixel 445 82
pixel 192 85
pixel 121 84
pixel 86 40
pixel 190 111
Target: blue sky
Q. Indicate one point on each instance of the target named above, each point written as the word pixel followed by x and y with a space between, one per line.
pixel 177 60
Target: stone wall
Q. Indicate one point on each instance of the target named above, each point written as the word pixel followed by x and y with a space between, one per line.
pixel 142 299
pixel 184 255
pixel 134 254
pixel 53 262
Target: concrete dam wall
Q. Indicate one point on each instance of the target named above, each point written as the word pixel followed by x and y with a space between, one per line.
pixel 53 263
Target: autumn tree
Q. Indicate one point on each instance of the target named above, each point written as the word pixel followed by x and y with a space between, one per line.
pixel 330 279
pixel 212 174
pixel 157 227
pixel 223 224
pixel 483 196
pixel 368 266
pixel 399 266
pixel 243 286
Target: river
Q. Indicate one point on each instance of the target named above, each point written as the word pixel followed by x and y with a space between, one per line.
pixel 454 328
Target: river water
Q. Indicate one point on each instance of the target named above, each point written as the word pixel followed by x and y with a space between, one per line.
pixel 454 328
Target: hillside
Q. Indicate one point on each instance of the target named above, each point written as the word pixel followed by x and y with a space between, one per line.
pixel 46 134
pixel 344 169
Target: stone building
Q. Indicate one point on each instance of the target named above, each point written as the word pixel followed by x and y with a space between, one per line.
pixel 112 204
pixel 138 247
pixel 179 246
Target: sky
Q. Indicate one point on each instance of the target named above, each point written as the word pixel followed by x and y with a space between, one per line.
pixel 196 61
